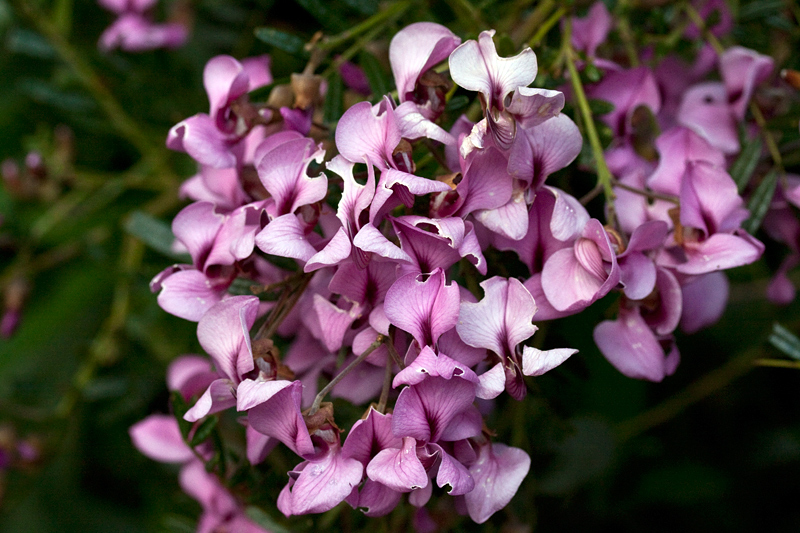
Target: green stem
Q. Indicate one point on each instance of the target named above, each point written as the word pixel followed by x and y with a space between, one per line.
pixel 777 363
pixel 121 121
pixel 546 26
pixel 391 12
pixel 697 391
pixel 340 376
pixel 467 12
pixel 604 176
pixel 520 31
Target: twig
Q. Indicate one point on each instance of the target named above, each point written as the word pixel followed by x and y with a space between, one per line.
pixel 387 386
pixel 340 376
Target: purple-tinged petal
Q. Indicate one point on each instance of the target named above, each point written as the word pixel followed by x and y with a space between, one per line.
pixel 369 434
pixel 630 345
pixel 413 125
pixel 361 385
pixel 376 499
pixel 363 135
pixel 420 497
pixel 568 218
pixel 336 251
pixel 189 294
pixel 705 110
pixel 509 220
pixel 196 226
pixel 285 236
pixel 258 445
pixel 217 397
pixel 428 364
pixel 464 425
pixel 591 31
pixel 415 49
pixel 538 152
pixel 280 418
pixel 664 318
pixel 399 468
pixel 356 198
pixel 283 172
pixel 742 69
pixel 498 473
pixel 533 106
pixel 224 333
pixel 627 90
pixel 366 286
pixel 704 301
pixel 225 80
pixel 476 66
pixel 710 200
pixel 780 291
pixel 452 473
pixel 396 187
pixel 536 362
pixel 257 69
pixel 637 275
pixel 491 383
pixel 426 309
pixel 425 410
pixel 251 392
pixel 190 374
pixel 721 252
pixel 451 344
pixel 370 239
pixel 159 438
pixel 324 483
pixel 486 184
pixel 501 320
pixel 199 137
pixel 677 147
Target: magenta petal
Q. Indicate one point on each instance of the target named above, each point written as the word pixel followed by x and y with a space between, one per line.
pixel 424 411
pixel 591 31
pixel 280 417
pixel 627 89
pixel 704 301
pixel 258 445
pixel 509 220
pixel 637 275
pixel 568 217
pixel 336 251
pixel 536 362
pixel 250 392
pixel 630 345
pixel 566 281
pixel 225 80
pixel 356 198
pixel 283 172
pixel 705 110
pixel 413 125
pixel 415 49
pixel 486 183
pixel 217 397
pixel 428 364
pixel 159 438
pixel 190 374
pixel 498 473
pixel 197 226
pixel 370 239
pixel 224 333
pixel 398 468
pixel 199 137
pixel 539 151
pixel 533 106
pixel 285 236
pixel 426 309
pixel 664 319
pixel 710 200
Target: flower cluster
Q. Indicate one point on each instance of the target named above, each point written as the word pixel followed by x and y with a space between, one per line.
pixel 134 30
pixel 375 274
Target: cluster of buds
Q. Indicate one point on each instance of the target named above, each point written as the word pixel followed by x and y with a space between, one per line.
pixel 375 275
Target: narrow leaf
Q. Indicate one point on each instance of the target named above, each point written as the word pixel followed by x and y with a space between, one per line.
pixel 154 233
pixel 204 430
pixel 600 107
pixel 376 75
pixel 457 102
pixel 760 201
pixel 264 520
pixel 324 14
pixel 179 408
pixel 785 341
pixel 287 42
pixel 742 169
pixel 333 99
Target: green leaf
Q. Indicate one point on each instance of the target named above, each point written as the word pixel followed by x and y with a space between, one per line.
pixel 785 341
pixel 324 15
pixel 287 42
pixel 260 517
pixel 45 93
pixel 760 201
pixel 365 7
pixel 600 107
pixel 29 43
pixel 154 233
pixel 204 431
pixel 742 169
pixel 376 75
pixel 333 99
pixel 179 408
pixel 457 102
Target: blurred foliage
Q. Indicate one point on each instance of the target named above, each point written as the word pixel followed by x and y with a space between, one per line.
pixel 715 447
